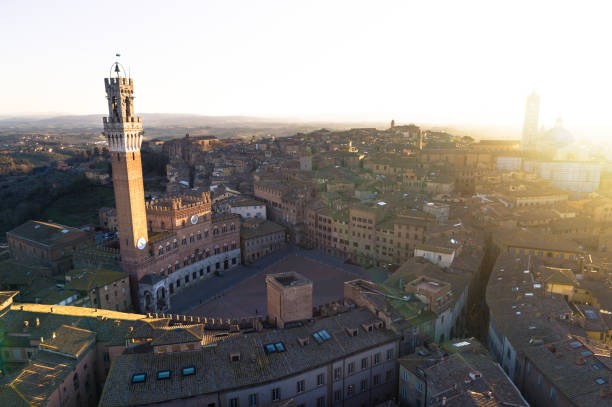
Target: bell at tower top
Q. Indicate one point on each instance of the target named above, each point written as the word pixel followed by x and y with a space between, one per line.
pixel 120 95
pixel 117 70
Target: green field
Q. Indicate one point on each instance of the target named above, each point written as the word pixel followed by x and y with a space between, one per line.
pixel 80 207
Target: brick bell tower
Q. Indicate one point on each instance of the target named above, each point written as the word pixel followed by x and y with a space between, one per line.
pixel 123 132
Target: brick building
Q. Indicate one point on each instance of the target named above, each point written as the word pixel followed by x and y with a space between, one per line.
pixel 260 237
pixel 45 243
pixel 285 203
pixel 349 359
pixel 105 289
pixel 171 242
pixel 289 298
pixel 108 219
pixel 188 148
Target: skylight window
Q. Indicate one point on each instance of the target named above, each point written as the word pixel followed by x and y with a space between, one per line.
pixel 586 353
pixel 600 380
pixel 575 344
pixel 163 374
pixel 274 347
pixel 188 371
pixel 139 378
pixel 324 334
pixel 321 336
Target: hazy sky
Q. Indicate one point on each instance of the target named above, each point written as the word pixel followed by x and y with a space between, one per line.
pixel 423 61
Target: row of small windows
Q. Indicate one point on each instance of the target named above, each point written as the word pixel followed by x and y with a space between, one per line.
pixel 162 374
pixel 198 236
pixel 205 253
pixel 192 260
pixel 539 253
pixel 272 238
pixel 253 398
pixel 364 220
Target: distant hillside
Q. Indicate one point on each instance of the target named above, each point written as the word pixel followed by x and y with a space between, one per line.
pixel 167 125
pixel 151 119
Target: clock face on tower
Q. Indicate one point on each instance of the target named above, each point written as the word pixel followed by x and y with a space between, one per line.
pixel 142 243
pixel 194 219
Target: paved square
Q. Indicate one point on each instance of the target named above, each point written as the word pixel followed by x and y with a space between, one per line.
pixel 249 297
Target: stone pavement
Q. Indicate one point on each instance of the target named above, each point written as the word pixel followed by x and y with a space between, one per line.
pixel 240 292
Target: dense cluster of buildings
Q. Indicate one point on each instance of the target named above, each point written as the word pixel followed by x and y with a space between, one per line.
pixel 468 239
pixel 550 329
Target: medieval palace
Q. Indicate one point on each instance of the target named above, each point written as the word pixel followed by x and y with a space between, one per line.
pixel 168 242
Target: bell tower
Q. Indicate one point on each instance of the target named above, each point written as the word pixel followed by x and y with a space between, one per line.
pixel 123 132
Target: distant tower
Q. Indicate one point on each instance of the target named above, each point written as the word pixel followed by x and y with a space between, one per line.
pixel 530 123
pixel 306 159
pixel 123 132
pixel 392 123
